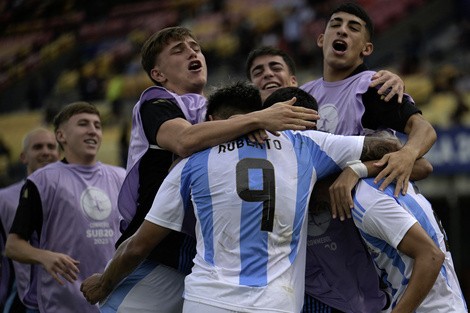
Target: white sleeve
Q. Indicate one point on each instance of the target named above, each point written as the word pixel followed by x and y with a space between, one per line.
pixel 168 206
pixel 380 216
pixel 329 152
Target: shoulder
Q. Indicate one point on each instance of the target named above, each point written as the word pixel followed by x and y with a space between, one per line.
pixel 12 188
pixel 309 86
pixel 158 103
pixel 117 170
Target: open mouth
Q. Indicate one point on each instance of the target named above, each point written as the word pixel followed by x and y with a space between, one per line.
pixel 195 65
pixel 339 45
pixel 271 86
pixel 91 141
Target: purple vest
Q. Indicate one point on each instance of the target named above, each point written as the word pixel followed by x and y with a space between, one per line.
pixel 24 273
pixel 80 219
pixel 194 109
pixel 340 103
pixel 339 270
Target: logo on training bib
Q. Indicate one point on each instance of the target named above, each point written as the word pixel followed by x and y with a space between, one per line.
pixel 95 203
pixel 328 121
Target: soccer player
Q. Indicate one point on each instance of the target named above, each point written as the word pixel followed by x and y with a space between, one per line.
pixel 39 149
pixel 409 247
pixel 71 206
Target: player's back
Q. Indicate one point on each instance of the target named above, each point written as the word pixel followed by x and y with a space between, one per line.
pixel 250 201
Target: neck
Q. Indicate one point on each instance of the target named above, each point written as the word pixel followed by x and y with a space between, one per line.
pixel 335 73
pixel 179 91
pixel 87 161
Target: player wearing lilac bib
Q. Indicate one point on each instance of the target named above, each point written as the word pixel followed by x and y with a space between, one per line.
pixel 348 106
pixel 72 207
pixel 39 149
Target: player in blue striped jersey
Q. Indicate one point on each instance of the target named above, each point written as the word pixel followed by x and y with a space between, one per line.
pixel 409 247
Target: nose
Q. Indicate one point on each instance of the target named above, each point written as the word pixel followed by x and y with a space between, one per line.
pixel 92 129
pixel 268 73
pixel 342 30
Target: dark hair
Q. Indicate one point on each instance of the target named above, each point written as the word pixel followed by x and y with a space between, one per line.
pixel 356 10
pixel 304 99
pixel 154 45
pixel 238 98
pixel 268 50
pixel 72 109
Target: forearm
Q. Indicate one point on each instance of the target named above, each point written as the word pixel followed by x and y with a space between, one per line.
pixel 425 271
pixel 421 136
pixel 125 261
pixel 204 135
pixel 22 251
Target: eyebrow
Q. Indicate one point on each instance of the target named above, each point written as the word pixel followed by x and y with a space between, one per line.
pixel 339 19
pixel 177 46
pixel 272 63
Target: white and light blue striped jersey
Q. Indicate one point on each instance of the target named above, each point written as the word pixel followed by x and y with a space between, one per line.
pixel 383 221
pixel 251 201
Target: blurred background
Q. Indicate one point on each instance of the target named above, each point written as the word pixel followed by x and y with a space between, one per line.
pixel 53 52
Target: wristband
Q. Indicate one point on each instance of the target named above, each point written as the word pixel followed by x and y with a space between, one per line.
pixel 359 168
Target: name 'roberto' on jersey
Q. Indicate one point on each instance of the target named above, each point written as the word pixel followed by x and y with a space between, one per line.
pixel 241 142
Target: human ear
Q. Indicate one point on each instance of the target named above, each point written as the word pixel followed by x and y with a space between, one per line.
pixel 320 40
pixel 157 75
pixel 367 49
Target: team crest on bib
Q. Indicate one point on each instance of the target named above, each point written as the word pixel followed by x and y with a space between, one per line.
pixel 328 121
pixel 318 223
pixel 95 203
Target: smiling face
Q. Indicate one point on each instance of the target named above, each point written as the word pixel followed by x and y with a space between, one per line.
pixel 181 67
pixel 80 136
pixel 40 149
pixel 345 43
pixel 269 73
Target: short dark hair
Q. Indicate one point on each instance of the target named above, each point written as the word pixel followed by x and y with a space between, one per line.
pixel 154 45
pixel 356 10
pixel 268 50
pixel 304 99
pixel 72 109
pixel 238 98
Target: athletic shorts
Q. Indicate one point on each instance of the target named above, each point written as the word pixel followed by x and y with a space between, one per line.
pixel 152 287
pixel 194 306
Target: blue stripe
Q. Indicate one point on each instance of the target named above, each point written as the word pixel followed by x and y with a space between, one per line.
pixel 305 153
pixel 253 242
pixel 119 294
pixel 407 201
pixel 309 150
pixel 201 193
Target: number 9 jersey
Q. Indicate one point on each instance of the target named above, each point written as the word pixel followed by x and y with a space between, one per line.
pixel 250 202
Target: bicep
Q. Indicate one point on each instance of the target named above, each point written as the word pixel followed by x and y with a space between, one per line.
pixel 416 242
pixel 28 217
pixel 169 133
pixel 148 236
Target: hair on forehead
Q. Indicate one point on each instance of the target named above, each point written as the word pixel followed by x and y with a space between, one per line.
pixel 155 44
pixel 72 109
pixel 356 10
pixel 27 138
pixel 270 51
pixel 237 98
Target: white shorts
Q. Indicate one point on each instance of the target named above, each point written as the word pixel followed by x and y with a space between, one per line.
pixel 197 307
pixel 152 287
